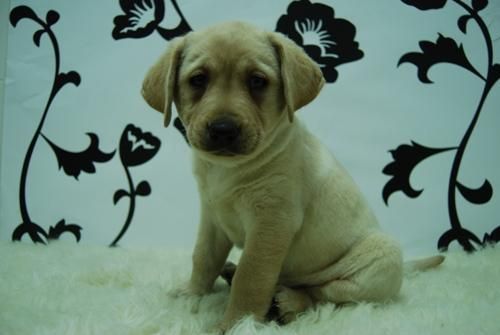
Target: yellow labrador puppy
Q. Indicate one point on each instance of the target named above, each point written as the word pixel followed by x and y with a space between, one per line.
pixel 266 184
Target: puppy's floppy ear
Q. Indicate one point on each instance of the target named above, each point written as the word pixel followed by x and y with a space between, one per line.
pixel 301 76
pixel 158 87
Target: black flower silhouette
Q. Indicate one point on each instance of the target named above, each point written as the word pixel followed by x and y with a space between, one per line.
pixel 137 147
pixel 426 4
pixel 326 39
pixel 143 17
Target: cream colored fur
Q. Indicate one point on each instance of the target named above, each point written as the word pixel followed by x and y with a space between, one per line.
pixel 306 232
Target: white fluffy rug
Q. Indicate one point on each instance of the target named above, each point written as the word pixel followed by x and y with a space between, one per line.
pixel 65 289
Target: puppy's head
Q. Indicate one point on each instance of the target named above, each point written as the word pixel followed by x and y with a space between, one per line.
pixel 232 85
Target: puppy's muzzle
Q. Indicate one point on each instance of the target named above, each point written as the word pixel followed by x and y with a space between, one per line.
pixel 223 136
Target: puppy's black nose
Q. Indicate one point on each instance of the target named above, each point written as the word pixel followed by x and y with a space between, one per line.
pixel 223 132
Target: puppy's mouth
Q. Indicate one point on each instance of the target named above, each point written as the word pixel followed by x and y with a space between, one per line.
pixel 223 137
pixel 224 152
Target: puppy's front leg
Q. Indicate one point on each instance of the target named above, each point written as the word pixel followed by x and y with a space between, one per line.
pixel 210 253
pixel 258 271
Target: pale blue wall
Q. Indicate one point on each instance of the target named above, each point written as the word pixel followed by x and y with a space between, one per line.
pixel 373 107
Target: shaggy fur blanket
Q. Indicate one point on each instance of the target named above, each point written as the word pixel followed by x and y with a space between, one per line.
pixel 66 289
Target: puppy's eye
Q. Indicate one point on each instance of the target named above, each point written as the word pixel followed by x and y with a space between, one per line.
pixel 198 80
pixel 257 82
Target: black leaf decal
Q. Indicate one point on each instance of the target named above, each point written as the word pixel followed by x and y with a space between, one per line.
pixel 479 5
pixel 66 78
pixel 326 39
pixel 462 22
pixel 445 50
pixel 426 4
pixel 477 196
pixel 22 12
pixel 143 188
pixel 74 163
pixel 137 147
pixel 61 227
pixel 461 235
pixel 493 237
pixel 494 76
pixel 37 36
pixel 180 127
pixel 120 194
pixel 406 158
pixel 52 17
pixel 34 231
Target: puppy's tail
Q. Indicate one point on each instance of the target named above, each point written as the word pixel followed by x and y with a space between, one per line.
pixel 423 264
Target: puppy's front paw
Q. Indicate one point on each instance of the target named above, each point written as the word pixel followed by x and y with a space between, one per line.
pixel 188 292
pixel 180 292
pixel 219 329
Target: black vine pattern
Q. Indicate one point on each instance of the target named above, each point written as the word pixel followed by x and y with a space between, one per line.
pixel 406 157
pixel 326 39
pixel 136 147
pixel 143 17
pixel 28 226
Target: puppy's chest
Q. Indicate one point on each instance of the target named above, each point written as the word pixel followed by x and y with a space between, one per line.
pixel 225 204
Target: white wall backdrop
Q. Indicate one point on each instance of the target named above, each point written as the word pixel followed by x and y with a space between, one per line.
pixel 69 152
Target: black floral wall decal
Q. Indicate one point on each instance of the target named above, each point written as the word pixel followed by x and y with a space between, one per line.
pixel 28 226
pixel 326 39
pixel 445 50
pixel 143 17
pixel 136 148
pixel 61 227
pixel 180 127
pixel 426 4
pixel 73 163
pixel 406 157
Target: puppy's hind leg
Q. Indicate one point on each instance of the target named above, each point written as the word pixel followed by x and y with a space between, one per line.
pixel 227 272
pixel 371 271
pixel 338 291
